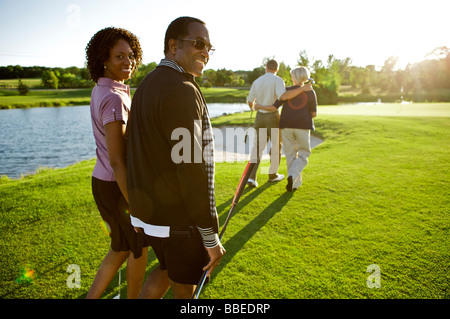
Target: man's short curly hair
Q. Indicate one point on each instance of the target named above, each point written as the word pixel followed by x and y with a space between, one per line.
pixel 98 49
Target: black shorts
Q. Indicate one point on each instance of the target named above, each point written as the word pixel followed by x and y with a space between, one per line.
pixel 183 255
pixel 113 208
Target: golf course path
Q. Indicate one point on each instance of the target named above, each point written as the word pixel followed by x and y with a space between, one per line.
pixel 235 148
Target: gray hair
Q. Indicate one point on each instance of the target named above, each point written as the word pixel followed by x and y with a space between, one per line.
pixel 300 74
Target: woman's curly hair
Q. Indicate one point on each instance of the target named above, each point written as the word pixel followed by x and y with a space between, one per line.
pixel 98 49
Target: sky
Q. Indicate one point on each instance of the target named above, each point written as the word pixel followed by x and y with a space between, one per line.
pixel 54 33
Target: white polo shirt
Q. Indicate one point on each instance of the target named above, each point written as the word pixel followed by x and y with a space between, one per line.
pixel 266 90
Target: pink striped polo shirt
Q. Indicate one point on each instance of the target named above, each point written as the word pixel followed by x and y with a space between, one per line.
pixel 110 101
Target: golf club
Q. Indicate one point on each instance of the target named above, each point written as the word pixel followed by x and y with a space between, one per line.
pixel 118 295
pixel 246 131
pixel 244 178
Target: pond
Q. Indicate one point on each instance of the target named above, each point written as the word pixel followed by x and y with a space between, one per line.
pixel 56 136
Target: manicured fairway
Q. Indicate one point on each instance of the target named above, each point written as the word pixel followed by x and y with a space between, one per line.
pixel 63 97
pixel 375 192
pixel 390 109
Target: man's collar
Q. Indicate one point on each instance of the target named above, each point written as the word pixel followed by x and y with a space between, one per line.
pixel 172 64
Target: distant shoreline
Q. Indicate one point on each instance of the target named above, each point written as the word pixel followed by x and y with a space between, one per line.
pixel 10 99
pixel 74 97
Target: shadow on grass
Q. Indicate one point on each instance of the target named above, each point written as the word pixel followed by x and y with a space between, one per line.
pixel 235 243
pixel 23 281
pixel 254 192
pixel 232 245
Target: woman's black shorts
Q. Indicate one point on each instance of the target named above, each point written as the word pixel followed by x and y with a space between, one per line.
pixel 113 208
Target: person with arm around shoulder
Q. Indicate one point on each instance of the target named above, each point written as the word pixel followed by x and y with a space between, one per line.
pixel 265 91
pixel 296 122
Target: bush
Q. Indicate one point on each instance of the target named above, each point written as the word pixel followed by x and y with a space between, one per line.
pixel 325 96
pixel 365 90
pixel 49 80
pixel 23 88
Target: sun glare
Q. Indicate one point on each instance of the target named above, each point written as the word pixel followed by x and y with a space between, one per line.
pixel 26 276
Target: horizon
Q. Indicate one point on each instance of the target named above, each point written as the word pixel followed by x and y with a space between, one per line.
pixel 55 34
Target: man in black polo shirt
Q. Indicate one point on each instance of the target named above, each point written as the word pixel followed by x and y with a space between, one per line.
pixel 171 188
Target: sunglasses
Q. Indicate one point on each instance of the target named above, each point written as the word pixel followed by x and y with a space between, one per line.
pixel 201 45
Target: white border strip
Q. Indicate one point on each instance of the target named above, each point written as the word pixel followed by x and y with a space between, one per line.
pixel 151 230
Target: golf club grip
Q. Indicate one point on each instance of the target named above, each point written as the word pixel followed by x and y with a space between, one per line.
pixel 244 178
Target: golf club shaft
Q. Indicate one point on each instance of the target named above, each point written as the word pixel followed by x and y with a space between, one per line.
pixel 237 195
pixel 246 131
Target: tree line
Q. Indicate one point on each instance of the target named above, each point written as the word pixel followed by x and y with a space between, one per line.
pixel 425 80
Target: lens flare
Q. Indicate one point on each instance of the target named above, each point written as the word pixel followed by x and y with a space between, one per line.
pixel 26 276
pixel 105 227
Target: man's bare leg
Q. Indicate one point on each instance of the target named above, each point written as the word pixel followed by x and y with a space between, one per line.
pixel 156 285
pixel 108 269
pixel 181 291
pixel 136 273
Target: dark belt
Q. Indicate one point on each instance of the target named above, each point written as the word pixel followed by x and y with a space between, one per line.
pixel 187 233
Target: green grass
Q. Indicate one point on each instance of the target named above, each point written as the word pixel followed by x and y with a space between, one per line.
pixel 42 98
pixel 376 191
pixel 14 83
pixel 66 97
pixel 225 95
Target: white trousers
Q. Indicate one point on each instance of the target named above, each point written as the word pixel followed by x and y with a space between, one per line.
pixel 261 141
pixel 297 148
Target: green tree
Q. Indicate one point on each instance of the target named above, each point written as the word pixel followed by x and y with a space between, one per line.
pixel 68 80
pixel 224 77
pixel 208 78
pixel 303 59
pixel 254 74
pixel 284 72
pixel 143 70
pixel 49 79
pixel 237 81
pixel 386 76
pixel 332 80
